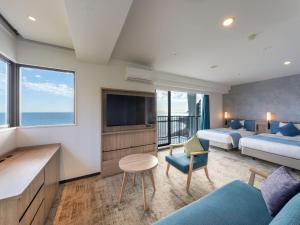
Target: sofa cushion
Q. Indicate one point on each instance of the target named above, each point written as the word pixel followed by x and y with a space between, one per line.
pixel 235 203
pixel 192 145
pixel 182 162
pixel 278 189
pixel 289 214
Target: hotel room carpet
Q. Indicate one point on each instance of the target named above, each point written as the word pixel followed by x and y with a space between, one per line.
pixel 94 200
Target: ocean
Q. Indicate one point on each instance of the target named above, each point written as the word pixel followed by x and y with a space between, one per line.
pixel 43 118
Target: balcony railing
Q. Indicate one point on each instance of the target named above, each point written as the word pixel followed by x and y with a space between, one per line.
pixel 176 129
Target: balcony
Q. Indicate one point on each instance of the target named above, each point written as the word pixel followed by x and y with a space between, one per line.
pixel 176 129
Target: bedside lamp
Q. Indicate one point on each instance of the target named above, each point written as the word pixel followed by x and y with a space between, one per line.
pixel 226 117
pixel 269 118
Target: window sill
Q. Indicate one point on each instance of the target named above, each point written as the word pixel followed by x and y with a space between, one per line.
pixel 6 129
pixel 48 126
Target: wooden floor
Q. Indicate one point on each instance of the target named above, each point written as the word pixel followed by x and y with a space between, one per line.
pixel 94 201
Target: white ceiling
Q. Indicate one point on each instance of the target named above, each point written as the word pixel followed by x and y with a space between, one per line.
pixel 51 21
pixel 177 36
pixel 95 26
pixel 156 29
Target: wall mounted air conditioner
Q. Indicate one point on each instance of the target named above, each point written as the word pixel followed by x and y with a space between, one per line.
pixel 139 75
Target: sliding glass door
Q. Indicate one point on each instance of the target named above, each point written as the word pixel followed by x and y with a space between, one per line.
pixel 178 116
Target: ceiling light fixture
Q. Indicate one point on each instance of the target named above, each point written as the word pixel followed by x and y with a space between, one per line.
pixel 228 21
pixel 287 63
pixel 32 18
pixel 214 66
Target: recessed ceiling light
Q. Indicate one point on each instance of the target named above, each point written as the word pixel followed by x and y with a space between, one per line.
pixel 214 66
pixel 287 63
pixel 32 18
pixel 228 21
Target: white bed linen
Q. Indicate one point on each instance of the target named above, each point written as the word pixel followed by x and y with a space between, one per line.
pixel 220 137
pixel 282 149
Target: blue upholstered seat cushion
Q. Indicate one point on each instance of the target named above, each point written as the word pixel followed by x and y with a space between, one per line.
pixel 235 124
pixel 235 203
pixel 182 162
pixel 289 130
pixel 289 214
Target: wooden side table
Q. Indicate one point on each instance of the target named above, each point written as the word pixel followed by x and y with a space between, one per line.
pixel 138 163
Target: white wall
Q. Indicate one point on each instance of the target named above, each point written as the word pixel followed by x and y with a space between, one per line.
pixel 8 49
pixel 81 143
pixel 7 43
pixel 216 110
pixel 8 140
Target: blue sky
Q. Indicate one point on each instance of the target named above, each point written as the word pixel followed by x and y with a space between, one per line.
pixel 46 90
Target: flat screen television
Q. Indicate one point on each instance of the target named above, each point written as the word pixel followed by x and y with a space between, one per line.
pixel 124 110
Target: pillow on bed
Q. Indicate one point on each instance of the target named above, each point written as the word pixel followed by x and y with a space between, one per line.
pixel 289 130
pixel 235 124
pixel 297 125
pixel 242 122
pixel 281 124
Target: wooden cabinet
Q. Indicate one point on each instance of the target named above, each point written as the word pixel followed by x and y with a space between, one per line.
pixel 119 141
pixel 29 182
pixel 116 145
pixel 51 181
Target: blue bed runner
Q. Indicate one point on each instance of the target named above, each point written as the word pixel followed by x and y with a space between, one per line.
pixel 236 136
pixel 277 140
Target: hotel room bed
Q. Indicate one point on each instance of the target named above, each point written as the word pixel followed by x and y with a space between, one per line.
pixel 276 148
pixel 228 138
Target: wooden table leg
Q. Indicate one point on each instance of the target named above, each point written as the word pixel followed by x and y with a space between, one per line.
pixel 144 192
pixel 134 179
pixel 152 179
pixel 123 186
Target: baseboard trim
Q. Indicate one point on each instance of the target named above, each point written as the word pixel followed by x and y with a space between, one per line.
pixel 79 178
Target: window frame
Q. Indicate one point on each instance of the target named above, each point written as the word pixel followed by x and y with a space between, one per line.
pixel 10 66
pixel 18 67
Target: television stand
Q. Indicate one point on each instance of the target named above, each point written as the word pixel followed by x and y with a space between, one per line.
pixel 117 143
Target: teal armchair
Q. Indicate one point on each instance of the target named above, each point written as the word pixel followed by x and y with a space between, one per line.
pixel 187 165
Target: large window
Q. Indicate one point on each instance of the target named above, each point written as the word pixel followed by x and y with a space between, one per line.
pixel 178 116
pixel 46 96
pixel 4 68
pixel 179 103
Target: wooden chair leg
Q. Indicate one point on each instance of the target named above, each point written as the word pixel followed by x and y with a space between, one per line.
pixel 189 181
pixel 190 173
pixel 123 186
pixel 206 173
pixel 168 168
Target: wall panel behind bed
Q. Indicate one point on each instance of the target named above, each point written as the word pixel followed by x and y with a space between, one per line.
pixel 253 100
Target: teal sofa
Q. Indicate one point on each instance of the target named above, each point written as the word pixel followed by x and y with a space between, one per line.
pixel 236 203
